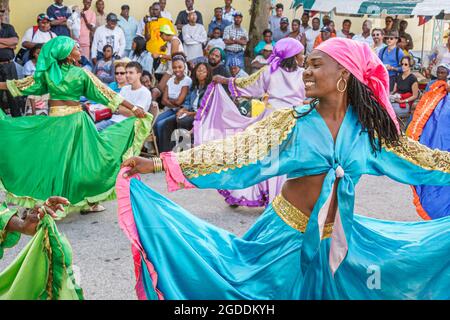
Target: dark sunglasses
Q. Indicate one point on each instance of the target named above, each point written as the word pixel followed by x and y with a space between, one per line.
pixel 121 73
pixel 376 34
pixel 405 64
pixel 391 38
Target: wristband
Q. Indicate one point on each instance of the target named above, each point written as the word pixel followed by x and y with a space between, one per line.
pixel 134 109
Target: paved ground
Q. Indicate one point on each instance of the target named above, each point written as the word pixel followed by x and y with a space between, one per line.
pixel 102 254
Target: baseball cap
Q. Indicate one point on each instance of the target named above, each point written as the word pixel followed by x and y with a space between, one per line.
pixel 238 13
pixel 284 20
pixel 42 17
pixel 112 17
pixel 325 29
pixel 166 30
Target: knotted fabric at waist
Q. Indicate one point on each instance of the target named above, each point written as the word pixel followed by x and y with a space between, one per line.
pixel 293 217
pixel 62 111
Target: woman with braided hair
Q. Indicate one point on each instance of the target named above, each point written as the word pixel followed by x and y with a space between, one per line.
pixel 308 243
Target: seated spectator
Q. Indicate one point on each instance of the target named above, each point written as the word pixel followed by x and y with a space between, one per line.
pixel 261 60
pixel 135 93
pixel 120 75
pixel 216 60
pixel 140 54
pixel 283 31
pixel 403 45
pixel 174 96
pixel 172 46
pixel 267 39
pixel 365 36
pixel 39 34
pixel 406 89
pixel 201 78
pixel 86 64
pixel 110 34
pixel 30 66
pixel 325 34
pixel 149 81
pixel 38 104
pixel 345 31
pixel 165 13
pixel 104 69
pixel 194 37
pixel 296 32
pixel 236 71
pixel 216 41
pixel 442 72
pixel 218 22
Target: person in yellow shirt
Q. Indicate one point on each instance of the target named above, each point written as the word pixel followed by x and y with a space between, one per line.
pixel 155 43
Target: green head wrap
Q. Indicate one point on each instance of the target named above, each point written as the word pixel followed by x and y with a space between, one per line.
pixel 55 50
pixel 222 53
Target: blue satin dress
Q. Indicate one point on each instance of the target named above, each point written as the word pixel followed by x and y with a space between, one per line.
pixel 285 255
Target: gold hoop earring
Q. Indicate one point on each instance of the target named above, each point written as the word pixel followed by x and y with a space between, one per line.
pixel 338 85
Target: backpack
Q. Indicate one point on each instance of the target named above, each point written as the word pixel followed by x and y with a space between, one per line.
pixel 397 50
pixel 23 55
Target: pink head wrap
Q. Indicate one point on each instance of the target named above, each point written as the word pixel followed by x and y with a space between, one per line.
pixel 364 64
pixel 284 48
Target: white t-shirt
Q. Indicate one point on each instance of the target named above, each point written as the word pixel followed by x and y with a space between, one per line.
pixel 311 36
pixel 360 38
pixel 216 43
pixel 141 98
pixel 29 68
pixel 39 36
pixel 166 14
pixel 174 89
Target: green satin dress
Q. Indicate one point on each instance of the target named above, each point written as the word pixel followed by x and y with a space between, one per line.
pixel 65 156
pixel 43 269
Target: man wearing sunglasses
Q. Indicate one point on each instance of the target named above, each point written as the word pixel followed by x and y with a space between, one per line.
pixel 391 57
pixel 8 43
pixel 377 36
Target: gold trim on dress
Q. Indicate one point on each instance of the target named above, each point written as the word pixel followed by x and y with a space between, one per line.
pixel 420 155
pixel 107 92
pixel 25 83
pixel 239 150
pixel 62 111
pixel 294 218
pixel 248 81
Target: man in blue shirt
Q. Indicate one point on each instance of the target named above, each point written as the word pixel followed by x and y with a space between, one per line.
pixel 129 26
pixel 218 22
pixel 58 14
pixel 391 55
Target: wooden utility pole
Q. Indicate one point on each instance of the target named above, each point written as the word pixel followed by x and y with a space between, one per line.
pixel 259 21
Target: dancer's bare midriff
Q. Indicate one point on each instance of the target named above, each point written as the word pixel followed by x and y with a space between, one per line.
pixel 304 192
pixel 63 103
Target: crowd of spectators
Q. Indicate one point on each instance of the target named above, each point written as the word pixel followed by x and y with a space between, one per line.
pixel 165 65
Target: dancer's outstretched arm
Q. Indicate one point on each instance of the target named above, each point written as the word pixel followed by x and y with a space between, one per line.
pixel 264 150
pixel 11 225
pixel 411 162
pixel 28 86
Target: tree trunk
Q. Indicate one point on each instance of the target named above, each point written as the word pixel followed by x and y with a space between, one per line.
pixel 4 4
pixel 259 21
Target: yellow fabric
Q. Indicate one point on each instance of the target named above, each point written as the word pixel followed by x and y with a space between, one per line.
pixel 64 110
pixel 257 108
pixel 155 43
